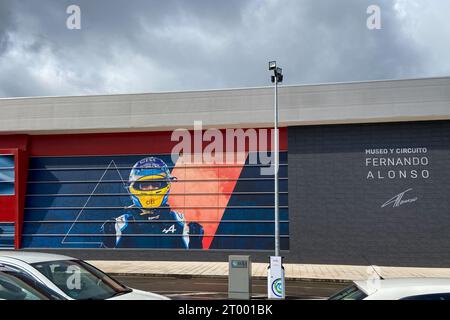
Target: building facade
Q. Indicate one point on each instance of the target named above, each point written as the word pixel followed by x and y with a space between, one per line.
pixel 364 174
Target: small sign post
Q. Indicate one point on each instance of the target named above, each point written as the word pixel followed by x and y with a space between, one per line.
pixel 275 283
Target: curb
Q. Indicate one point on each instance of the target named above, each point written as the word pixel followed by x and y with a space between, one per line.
pixel 209 276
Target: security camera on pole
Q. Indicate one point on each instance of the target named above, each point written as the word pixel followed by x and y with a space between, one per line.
pixel 275 277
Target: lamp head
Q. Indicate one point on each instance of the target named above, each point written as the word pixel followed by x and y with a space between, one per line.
pixel 272 65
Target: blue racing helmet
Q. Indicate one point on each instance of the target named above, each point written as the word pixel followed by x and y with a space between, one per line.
pixel 149 183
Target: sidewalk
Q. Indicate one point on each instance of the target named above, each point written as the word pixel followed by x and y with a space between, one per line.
pixel 259 270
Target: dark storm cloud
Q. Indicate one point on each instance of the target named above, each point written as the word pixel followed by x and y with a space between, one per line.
pixel 6 24
pixel 141 45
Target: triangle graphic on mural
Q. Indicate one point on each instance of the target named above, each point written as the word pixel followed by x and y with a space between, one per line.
pixel 202 192
pixel 111 173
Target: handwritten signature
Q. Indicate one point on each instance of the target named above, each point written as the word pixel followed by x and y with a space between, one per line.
pixel 397 201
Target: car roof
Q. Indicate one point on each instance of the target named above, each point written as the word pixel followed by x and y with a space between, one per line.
pixel 403 283
pixel 33 257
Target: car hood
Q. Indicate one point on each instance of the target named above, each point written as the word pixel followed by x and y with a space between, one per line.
pixel 140 295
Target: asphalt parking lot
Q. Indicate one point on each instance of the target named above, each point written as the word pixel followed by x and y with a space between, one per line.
pixel 217 288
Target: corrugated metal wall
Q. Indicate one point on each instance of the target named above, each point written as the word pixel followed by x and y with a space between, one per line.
pixel 70 198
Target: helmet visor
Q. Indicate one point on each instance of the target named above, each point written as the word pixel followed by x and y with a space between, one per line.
pixel 149 185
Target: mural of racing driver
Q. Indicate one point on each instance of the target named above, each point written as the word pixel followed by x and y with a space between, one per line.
pixel 150 222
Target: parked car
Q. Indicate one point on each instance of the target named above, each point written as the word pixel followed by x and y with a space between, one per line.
pixel 16 285
pixel 397 289
pixel 71 278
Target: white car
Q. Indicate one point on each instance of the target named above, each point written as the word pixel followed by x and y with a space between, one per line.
pixel 397 289
pixel 71 278
pixel 15 285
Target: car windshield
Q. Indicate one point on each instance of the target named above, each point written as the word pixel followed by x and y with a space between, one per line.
pixel 350 293
pixel 13 288
pixel 80 281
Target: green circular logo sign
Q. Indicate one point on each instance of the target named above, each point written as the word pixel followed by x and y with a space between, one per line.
pixel 277 288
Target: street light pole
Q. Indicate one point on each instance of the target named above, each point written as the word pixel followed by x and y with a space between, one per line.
pixel 275 277
pixel 277 165
pixel 276 78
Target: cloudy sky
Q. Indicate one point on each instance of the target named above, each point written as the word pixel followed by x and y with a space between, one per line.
pixel 150 46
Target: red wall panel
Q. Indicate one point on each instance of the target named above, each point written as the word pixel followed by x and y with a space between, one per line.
pixel 11 207
pixel 113 143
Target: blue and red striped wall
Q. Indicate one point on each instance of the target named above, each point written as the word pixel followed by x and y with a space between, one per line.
pixel 67 186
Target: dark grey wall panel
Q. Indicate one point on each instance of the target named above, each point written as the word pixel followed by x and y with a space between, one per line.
pixel 337 190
